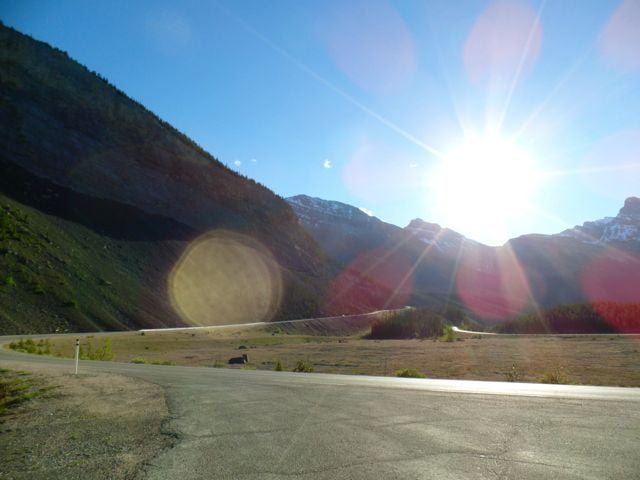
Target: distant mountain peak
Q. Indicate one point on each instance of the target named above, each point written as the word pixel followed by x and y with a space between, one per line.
pixel 631 208
pixel 434 234
pixel 625 227
pixel 306 206
pixel 320 216
pixel 418 223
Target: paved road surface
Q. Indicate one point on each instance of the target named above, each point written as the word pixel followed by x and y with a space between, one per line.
pixel 233 424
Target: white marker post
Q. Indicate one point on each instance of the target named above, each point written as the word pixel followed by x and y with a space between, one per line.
pixel 77 353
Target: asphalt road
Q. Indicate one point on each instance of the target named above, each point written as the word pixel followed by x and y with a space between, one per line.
pixel 234 424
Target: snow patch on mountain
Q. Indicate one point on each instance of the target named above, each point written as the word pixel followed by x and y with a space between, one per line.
pixel 311 210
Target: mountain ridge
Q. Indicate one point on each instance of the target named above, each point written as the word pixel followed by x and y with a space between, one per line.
pixel 96 149
pixel 527 272
pixel 100 200
pixel 624 227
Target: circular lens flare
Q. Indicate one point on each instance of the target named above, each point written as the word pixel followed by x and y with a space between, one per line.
pixel 492 285
pixel 225 278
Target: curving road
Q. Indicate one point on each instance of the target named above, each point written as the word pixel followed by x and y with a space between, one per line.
pixel 234 424
pixel 473 332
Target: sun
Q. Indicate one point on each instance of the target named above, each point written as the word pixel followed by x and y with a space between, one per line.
pixel 483 185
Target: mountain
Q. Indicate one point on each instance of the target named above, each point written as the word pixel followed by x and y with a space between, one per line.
pixel 443 239
pixel 416 264
pixel 110 218
pixel 424 262
pixel 595 262
pixel 342 230
pixel 623 228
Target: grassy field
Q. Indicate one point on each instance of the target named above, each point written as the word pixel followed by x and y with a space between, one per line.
pixel 579 359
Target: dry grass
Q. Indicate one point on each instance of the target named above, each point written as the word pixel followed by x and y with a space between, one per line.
pixel 583 359
pixel 90 426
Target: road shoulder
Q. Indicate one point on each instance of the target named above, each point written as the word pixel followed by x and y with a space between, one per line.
pixel 98 426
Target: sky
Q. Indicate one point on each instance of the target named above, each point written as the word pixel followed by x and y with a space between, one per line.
pixel 494 118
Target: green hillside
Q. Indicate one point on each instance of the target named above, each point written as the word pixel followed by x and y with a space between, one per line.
pixel 99 200
pixel 64 267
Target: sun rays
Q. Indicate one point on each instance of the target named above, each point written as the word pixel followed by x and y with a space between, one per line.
pixel 496 171
pixel 483 183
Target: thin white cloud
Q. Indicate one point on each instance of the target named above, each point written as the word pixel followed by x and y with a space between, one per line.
pixel 253 160
pixel 237 163
pixel 413 165
pixel 327 163
pixel 368 212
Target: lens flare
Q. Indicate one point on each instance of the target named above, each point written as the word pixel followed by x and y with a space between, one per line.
pixel 371 44
pixel 613 276
pixel 611 282
pixel 225 278
pixel 620 37
pixel 379 278
pixel 503 44
pixel 493 286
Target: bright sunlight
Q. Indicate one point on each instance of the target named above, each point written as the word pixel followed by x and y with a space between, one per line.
pixel 484 183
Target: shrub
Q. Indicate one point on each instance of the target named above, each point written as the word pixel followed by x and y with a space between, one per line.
pixel 513 375
pixel 449 334
pixel 9 281
pixel 278 367
pixel 303 366
pixel 139 360
pixel 414 323
pixel 410 373
pixel 555 376
pixel 30 345
pixel 162 362
pixel 104 353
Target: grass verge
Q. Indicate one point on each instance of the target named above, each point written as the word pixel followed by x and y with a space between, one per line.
pixel 17 387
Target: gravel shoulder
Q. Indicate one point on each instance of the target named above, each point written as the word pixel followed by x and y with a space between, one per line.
pixel 91 426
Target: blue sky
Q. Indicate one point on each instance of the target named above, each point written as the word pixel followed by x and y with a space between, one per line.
pixel 380 93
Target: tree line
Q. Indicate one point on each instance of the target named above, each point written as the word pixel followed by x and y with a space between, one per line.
pixel 420 322
pixel 596 317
